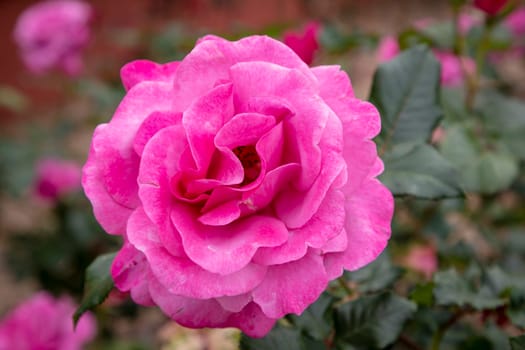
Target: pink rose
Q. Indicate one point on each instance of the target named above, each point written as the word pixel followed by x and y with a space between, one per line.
pixel 242 182
pixel 422 259
pixel 491 7
pixel 453 68
pixel 45 323
pixel 56 177
pixel 304 43
pixel 387 49
pixel 515 22
pixel 52 34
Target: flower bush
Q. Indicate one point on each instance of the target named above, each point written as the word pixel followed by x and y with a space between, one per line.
pixel 44 323
pixel 242 181
pixel 241 186
pixel 52 34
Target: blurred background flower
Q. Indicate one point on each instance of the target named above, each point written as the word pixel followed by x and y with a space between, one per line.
pixel 44 323
pixel 55 178
pixel 52 34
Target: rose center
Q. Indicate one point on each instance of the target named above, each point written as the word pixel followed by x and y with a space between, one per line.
pixel 250 161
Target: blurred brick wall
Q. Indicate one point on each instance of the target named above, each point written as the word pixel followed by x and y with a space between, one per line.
pixel 214 16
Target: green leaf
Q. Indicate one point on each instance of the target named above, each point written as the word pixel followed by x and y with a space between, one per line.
pixel 372 322
pixel 441 34
pixel 516 309
pixel 453 103
pixel 281 338
pixel 420 171
pixel 504 118
pixel 423 294
pixel 376 276
pixel 405 91
pixel 517 343
pixel 97 285
pixel 316 320
pixel 452 289
pixel 486 171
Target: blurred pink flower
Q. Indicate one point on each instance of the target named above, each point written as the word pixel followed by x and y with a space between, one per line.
pixel 52 34
pixel 466 21
pixel 45 323
pixel 388 48
pixel 490 7
pixel 56 177
pixel 515 22
pixel 437 135
pixel 304 43
pixel 422 258
pixel 453 68
pixel 242 182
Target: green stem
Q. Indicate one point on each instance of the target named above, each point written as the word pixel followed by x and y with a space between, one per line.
pixel 440 333
pixel 480 56
pixel 342 283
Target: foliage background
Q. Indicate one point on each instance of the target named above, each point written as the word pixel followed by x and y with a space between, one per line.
pixel 475 299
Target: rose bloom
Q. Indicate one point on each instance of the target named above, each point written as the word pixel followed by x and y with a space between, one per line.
pixel 422 258
pixel 52 34
pixel 453 68
pixel 387 49
pixel 515 22
pixel 45 323
pixel 55 178
pixel 491 7
pixel 241 180
pixel 304 43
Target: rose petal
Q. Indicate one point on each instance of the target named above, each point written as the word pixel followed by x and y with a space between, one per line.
pixel 129 271
pixel 180 275
pixel 359 126
pixel 274 182
pixel 252 321
pixel 303 130
pixel 151 125
pixel 244 129
pixel 291 287
pixel 235 303
pixel 196 313
pixel 211 59
pixel 111 215
pixel 112 144
pixel 324 225
pixel 369 213
pixel 203 119
pixel 226 249
pixel 222 214
pixel 270 147
pixel 334 83
pixel 138 71
pixel 296 208
pixel 158 165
